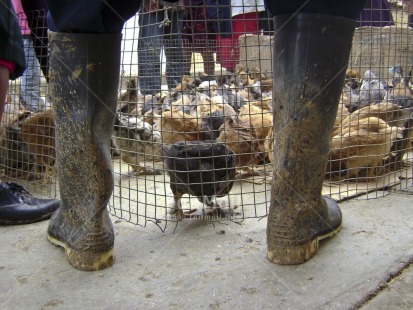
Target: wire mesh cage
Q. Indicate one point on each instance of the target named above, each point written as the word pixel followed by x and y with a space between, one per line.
pixel 193 136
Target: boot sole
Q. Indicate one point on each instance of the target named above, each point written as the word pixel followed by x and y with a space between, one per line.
pixel 24 222
pixel 85 261
pixel 300 254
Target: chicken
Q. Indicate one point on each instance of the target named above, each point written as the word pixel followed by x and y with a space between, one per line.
pixel 352 78
pixel 259 119
pixel 185 84
pixel 204 169
pixel 261 83
pixel 38 132
pixel 400 146
pixel 128 100
pixel 400 92
pixel 179 101
pixel 13 112
pixel 155 104
pixel 342 113
pixel 242 140
pixel 136 141
pixel 389 112
pixel 14 156
pixel 243 77
pixel 177 126
pixel 363 144
pixel 269 146
pixel 372 89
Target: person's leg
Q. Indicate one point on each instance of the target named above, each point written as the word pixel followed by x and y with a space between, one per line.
pixel 85 45
pixel 266 23
pixel 30 83
pixel 4 85
pixel 17 206
pixel 209 62
pixel 174 51
pixel 149 52
pixel 410 21
pixel 187 54
pixel 311 52
pixel 38 27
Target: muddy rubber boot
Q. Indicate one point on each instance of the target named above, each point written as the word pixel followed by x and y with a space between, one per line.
pixel 84 75
pixel 310 58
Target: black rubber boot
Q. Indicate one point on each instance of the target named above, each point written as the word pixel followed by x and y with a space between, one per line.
pixel 310 58
pixel 84 76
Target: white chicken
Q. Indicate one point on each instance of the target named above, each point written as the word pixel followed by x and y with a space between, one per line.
pixel 136 141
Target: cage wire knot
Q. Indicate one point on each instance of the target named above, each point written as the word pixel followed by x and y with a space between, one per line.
pixel 166 22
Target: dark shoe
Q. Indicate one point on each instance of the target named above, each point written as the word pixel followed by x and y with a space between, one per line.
pixel 17 206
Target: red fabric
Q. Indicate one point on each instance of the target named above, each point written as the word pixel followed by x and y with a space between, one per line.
pixel 9 65
pixel 228 48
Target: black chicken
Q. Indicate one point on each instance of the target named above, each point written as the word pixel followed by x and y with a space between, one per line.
pixel 204 169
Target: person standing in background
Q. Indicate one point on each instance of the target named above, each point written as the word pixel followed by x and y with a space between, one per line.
pixel 30 85
pixel 198 36
pixel 17 206
pixel 244 19
pixel 376 13
pixel 159 27
pixel 36 11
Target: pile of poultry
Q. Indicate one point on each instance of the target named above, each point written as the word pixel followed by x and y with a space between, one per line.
pixel 208 129
pixel 372 133
pixel 230 109
pixel 374 126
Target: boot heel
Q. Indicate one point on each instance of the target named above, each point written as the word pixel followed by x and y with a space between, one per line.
pixel 299 254
pixel 86 261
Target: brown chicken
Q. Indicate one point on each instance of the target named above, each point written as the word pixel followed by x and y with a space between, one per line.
pixel 38 132
pixel 342 113
pixel 185 83
pixel 363 144
pixel 128 100
pixel 260 121
pixel 177 126
pixel 389 112
pixel 352 78
pixel 265 80
pixel 242 140
pixel 242 76
pixel 269 146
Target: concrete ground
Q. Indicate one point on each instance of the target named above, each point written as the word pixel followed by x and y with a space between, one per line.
pixel 222 266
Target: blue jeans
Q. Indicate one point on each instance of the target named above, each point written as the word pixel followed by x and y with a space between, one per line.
pixel 30 83
pixel 153 36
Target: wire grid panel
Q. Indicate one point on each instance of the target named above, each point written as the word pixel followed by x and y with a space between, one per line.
pixel 27 127
pixel 371 141
pixel 230 105
pixel 372 136
pixel 212 88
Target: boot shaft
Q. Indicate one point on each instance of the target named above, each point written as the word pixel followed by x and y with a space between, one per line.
pixel 84 76
pixel 310 58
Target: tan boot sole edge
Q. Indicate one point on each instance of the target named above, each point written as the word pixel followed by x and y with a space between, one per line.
pixel 299 254
pixel 85 261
